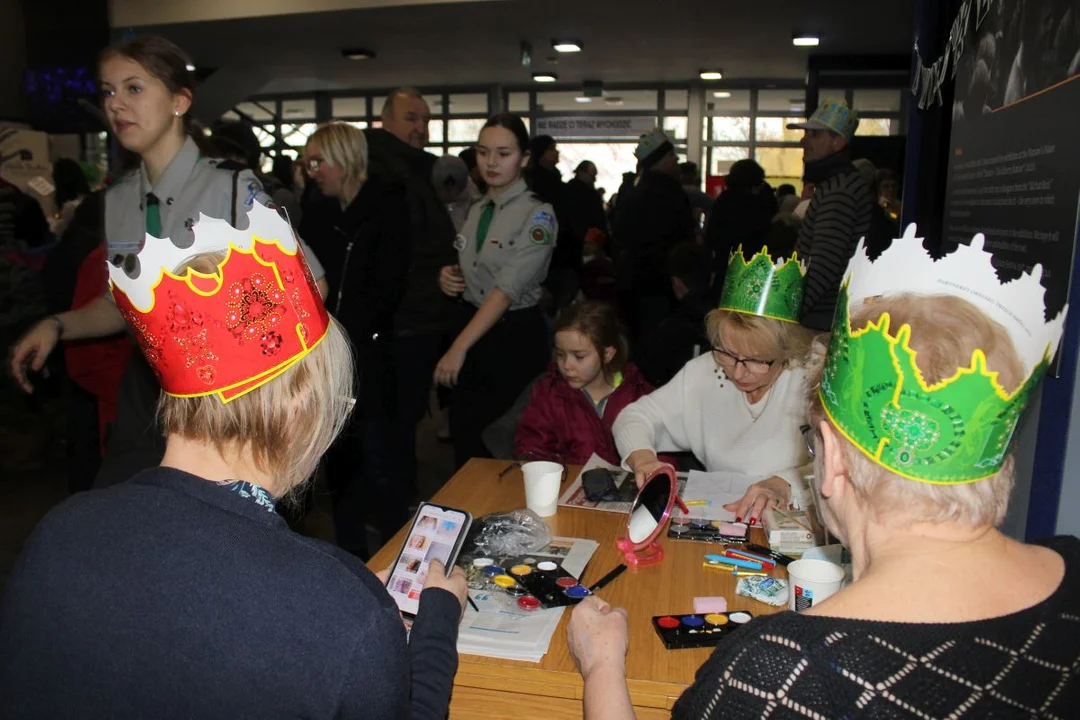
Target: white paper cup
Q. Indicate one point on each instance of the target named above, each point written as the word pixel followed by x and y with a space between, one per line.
pixel 542 481
pixel 811 581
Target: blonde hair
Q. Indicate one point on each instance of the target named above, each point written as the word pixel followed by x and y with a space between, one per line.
pixel 759 337
pixel 344 146
pixel 945 331
pixel 288 423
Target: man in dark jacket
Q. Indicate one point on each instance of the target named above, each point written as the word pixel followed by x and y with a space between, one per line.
pixel 741 216
pixel 657 217
pixel 585 207
pixel 839 212
pixel 425 316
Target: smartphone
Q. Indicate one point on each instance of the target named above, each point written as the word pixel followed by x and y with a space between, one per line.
pixel 437 533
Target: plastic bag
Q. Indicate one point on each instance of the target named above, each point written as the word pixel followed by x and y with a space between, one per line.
pixel 503 534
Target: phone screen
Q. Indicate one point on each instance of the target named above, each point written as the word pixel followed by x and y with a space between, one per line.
pixel 436 534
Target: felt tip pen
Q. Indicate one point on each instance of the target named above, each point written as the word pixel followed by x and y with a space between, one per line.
pixel 472 602
pixel 768 552
pixel 748 564
pixel 767 563
pixel 724 567
pixel 697 503
pixel 608 578
pixel 750 574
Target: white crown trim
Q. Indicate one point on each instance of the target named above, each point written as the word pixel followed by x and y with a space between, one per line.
pixel 1018 305
pixel 159 255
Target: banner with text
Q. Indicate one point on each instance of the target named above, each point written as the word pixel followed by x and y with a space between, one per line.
pixel 608 126
pixel 1012 173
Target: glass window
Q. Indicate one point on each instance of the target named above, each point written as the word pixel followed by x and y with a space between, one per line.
pixel 230 115
pixel 347 107
pixel 265 133
pixel 676 127
pixel 256 111
pixel 731 129
pixel 297 110
pixel 774 129
pixel 470 104
pixel 611 160
pixel 878 100
pixel 359 124
pixel 874 126
pixel 518 102
pixel 784 164
pixel 786 101
pixel 723 157
pixel 465 131
pixel 676 99
pixel 435 131
pixel 455 150
pixel 376 106
pixel 719 102
pixel 297 135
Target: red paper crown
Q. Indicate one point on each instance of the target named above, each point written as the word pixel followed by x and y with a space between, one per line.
pixel 231 331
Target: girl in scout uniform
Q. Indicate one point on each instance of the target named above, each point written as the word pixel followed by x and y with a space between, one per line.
pixel 504 251
pixel 147 94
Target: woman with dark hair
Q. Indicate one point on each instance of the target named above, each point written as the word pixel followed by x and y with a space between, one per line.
pixel 504 251
pixel 742 215
pixel 147 94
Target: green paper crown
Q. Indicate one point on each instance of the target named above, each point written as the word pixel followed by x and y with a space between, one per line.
pixel 760 287
pixel 955 431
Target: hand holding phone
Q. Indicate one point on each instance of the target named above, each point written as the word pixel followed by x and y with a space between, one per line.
pixel 455 582
pixel 432 545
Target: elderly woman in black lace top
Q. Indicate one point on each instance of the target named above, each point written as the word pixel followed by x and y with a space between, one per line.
pixel 947 616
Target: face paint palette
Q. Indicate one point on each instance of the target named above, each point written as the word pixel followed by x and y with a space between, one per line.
pixel 679 632
pixel 536 583
pixel 684 528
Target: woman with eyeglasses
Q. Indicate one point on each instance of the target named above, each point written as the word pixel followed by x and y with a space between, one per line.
pixel 738 408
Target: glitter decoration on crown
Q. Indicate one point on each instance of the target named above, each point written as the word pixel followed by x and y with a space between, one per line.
pixel 761 287
pixel 230 331
pixel 954 431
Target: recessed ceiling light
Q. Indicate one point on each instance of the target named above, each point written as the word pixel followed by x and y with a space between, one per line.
pixel 583 99
pixel 803 40
pixel 711 74
pixel 358 54
pixel 721 94
pixel 190 67
pixel 566 46
pixel 614 101
pixel 542 77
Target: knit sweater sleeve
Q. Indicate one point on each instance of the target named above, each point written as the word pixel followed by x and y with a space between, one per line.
pixel 655 422
pixel 832 243
pixel 433 654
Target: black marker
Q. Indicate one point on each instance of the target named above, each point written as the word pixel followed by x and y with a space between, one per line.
pixel 471 602
pixel 779 558
pixel 607 578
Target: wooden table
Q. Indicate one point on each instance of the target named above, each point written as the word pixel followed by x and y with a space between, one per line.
pixel 488 687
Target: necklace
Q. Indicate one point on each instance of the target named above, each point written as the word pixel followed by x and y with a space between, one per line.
pixel 749 408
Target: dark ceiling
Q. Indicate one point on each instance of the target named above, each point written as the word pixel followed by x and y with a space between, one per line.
pixel 479 43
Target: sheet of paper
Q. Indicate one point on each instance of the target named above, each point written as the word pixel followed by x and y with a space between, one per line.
pixel 575 494
pixel 502 629
pixel 720 487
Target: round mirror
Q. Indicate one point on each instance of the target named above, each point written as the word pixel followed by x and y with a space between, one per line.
pixel 651 508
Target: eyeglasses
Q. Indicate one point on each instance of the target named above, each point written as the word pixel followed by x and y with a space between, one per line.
pixel 752 366
pixel 312 164
pixel 805 430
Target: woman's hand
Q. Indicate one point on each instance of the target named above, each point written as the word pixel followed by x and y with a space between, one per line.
pixel 597 637
pixel 32 349
pixel 772 492
pixel 643 463
pixel 451 281
pixel 455 582
pixel 449 367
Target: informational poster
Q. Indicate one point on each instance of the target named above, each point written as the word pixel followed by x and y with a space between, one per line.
pixel 1013 170
pixel 609 126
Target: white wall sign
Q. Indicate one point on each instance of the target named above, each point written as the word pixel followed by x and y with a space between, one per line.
pixel 629 126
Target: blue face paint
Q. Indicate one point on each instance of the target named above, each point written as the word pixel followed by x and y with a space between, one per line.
pixel 577 592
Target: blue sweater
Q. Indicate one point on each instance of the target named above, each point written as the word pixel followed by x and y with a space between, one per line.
pixel 172 597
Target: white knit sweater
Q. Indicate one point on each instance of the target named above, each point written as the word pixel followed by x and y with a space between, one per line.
pixel 706 414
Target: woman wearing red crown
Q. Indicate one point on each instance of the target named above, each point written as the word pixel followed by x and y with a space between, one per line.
pixel 182 593
pixel 148 90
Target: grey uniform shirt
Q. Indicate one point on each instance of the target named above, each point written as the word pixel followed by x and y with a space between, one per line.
pixel 515 255
pixel 190 185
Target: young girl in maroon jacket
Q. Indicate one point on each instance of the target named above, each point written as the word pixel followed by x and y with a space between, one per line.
pixel 572 409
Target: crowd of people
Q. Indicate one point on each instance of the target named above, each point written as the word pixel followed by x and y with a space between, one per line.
pixel 640 332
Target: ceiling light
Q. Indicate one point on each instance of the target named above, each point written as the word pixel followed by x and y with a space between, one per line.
pixel 583 99
pixel 721 94
pixel 566 46
pixel 804 40
pixel 358 54
pixel 190 67
pixel 711 74
pixel 542 77
pixel 614 101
